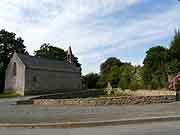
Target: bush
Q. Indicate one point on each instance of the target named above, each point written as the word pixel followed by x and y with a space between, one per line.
pixel 178 85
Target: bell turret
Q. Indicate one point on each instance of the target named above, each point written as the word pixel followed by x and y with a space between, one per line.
pixel 70 57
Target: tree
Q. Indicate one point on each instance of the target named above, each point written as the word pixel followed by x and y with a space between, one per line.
pixel 119 74
pixel 155 67
pixel 50 52
pixel 8 44
pixel 137 80
pixel 174 54
pixel 113 76
pixel 108 72
pixel 175 46
pixel 106 66
pixel 126 75
pixel 90 80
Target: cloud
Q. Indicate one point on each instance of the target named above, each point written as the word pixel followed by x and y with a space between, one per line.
pixel 95 29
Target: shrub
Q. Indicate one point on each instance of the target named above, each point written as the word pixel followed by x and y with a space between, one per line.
pixel 178 85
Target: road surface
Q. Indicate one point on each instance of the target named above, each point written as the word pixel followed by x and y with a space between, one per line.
pixel 11 113
pixel 162 128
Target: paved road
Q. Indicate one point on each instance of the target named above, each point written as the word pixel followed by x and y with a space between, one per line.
pixel 11 113
pixel 165 128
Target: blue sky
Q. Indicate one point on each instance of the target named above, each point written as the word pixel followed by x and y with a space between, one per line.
pixel 96 29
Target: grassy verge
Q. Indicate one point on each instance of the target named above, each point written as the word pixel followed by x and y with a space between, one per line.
pixel 8 95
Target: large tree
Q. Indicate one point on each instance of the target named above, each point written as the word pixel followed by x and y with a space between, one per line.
pixel 106 66
pixel 8 44
pixel 109 72
pixel 175 45
pixel 119 74
pixel 48 51
pixel 174 54
pixel 155 67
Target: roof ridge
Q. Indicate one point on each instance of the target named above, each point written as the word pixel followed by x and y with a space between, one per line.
pixel 38 57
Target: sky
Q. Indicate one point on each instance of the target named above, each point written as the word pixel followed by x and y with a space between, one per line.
pixel 95 29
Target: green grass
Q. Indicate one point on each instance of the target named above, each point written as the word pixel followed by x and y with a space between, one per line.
pixel 8 95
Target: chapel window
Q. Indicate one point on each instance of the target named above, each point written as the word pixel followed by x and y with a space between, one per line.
pixel 14 69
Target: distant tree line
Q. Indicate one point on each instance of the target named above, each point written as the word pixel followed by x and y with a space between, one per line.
pixel 159 64
pixel 9 43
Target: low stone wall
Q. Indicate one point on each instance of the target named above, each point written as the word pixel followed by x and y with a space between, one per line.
pixel 104 100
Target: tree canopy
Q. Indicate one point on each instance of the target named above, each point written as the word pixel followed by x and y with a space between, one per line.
pixel 174 54
pixel 106 66
pixel 48 51
pixel 155 67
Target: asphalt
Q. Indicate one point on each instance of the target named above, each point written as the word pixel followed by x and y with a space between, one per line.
pixel 160 128
pixel 12 115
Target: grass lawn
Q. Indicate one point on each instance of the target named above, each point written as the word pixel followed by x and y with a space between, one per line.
pixel 8 95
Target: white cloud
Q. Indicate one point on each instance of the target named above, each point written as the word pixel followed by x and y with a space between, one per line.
pixel 77 23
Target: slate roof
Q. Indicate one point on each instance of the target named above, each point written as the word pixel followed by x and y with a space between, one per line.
pixel 34 62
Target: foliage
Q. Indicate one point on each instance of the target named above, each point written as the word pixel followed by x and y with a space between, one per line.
pixel 90 80
pixel 48 51
pixel 109 72
pixel 173 66
pixel 137 80
pixel 116 72
pixel 8 44
pixel 178 85
pixel 175 46
pixel 126 75
pixel 155 70
pixel 113 76
pixel 76 62
pixel 102 81
pixel 174 54
pixel 106 66
pixel 120 75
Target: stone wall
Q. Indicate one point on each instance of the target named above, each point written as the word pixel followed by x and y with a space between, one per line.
pixel 104 101
pixel 15 83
